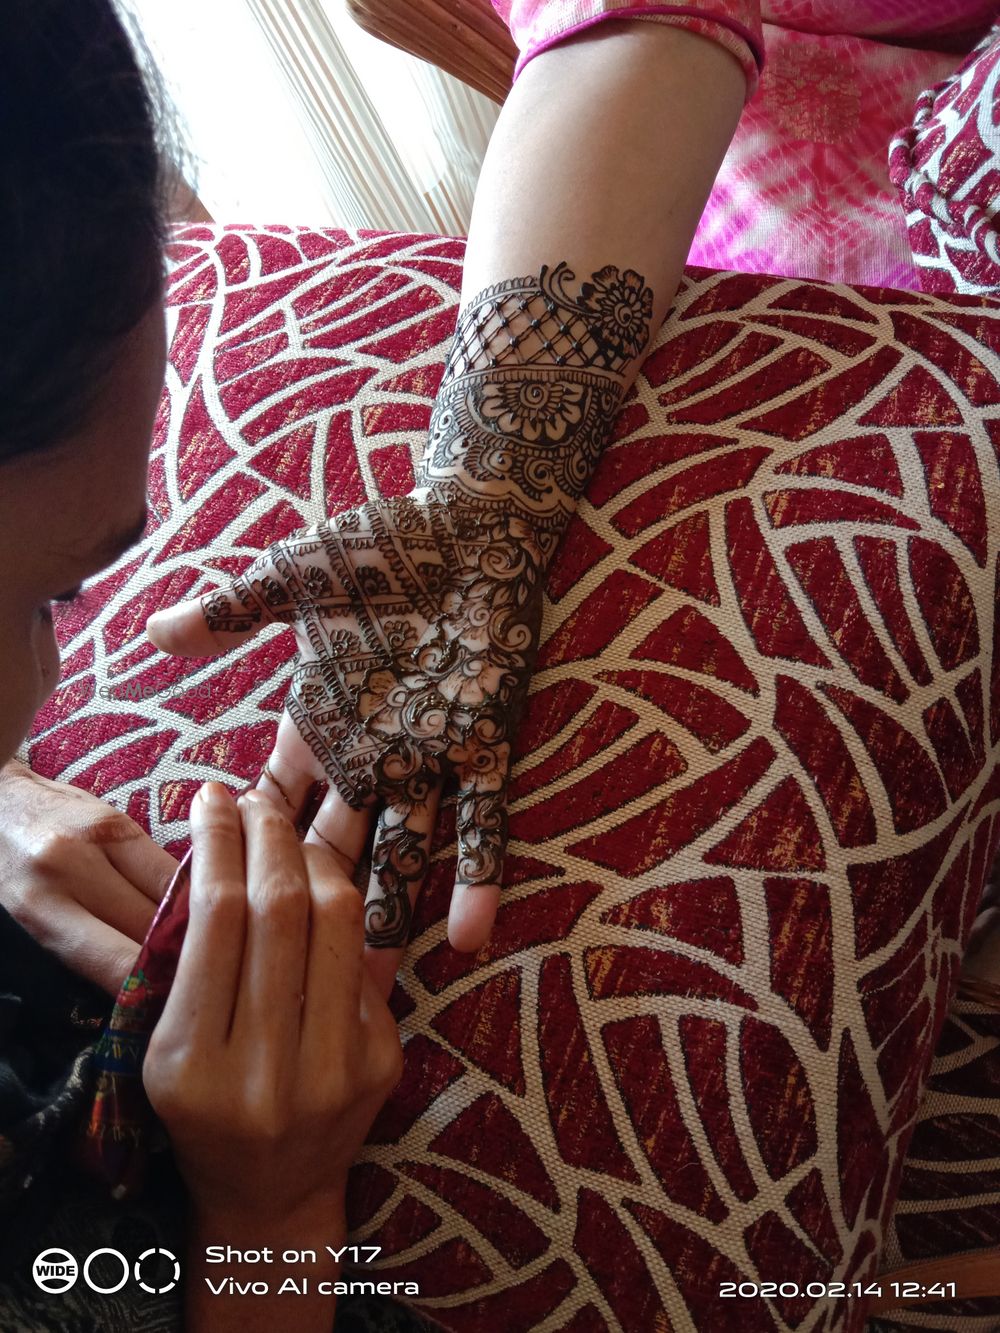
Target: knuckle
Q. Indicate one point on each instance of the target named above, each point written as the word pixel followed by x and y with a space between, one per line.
pixel 219 821
pixel 390 1058
pixel 385 1060
pixel 282 899
pixel 323 1103
pixel 221 899
pixel 326 862
pixel 271 821
pixel 380 1040
pixel 264 1118
pixel 163 881
pixel 109 825
pixel 166 1076
pixel 52 850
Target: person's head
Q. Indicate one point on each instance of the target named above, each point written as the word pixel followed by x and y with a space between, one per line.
pixel 83 189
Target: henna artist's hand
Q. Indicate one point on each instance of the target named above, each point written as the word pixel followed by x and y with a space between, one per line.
pixel 272 1056
pixel 417 618
pixel 78 875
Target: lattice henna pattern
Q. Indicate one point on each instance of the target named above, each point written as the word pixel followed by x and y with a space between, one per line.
pixel 418 617
pixel 531 387
pixel 606 326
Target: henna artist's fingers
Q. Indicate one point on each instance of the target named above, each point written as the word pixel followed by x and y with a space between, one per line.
pixel 400 859
pixel 481 832
pixel 268 1003
pixel 341 830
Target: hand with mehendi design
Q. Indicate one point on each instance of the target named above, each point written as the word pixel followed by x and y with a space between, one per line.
pixel 417 618
pixel 416 629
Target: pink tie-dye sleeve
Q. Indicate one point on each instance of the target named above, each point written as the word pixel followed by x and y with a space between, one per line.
pixel 536 25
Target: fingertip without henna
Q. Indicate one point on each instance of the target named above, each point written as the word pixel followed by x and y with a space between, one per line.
pixel 181 631
pixel 158 629
pixel 470 921
pixel 215 795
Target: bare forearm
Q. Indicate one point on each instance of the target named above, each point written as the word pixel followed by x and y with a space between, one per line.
pixel 605 152
pixel 592 187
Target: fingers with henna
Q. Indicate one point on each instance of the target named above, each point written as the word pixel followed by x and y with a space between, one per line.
pixel 224 617
pixel 400 861
pixel 481 833
pixel 290 772
pixel 341 829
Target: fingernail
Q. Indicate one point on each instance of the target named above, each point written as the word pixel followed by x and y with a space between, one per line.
pixel 214 793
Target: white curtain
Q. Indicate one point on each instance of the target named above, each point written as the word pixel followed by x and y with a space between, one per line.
pixel 294 114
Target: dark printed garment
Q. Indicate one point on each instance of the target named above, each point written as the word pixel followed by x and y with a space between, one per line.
pixel 50 1022
pixel 78 1166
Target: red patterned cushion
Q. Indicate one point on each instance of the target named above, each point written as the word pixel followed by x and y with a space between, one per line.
pixel 757 790
pixel 946 168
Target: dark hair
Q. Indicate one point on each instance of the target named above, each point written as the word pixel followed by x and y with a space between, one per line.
pixel 84 183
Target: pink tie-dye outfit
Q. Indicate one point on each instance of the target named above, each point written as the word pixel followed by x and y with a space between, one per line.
pixel 886 19
pixel 804 189
pixel 536 25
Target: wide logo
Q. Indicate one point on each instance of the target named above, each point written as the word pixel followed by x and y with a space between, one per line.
pixel 56 1270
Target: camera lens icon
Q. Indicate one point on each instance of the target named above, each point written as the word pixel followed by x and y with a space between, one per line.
pixel 170 1283
pixel 55 1271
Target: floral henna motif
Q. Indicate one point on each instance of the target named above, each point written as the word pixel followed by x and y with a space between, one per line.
pixel 418 617
pixel 624 307
pixel 533 409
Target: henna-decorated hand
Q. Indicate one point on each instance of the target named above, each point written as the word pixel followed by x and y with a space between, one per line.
pixel 417 618
pixel 417 627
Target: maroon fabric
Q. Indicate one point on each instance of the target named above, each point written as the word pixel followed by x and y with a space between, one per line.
pixel 756 790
